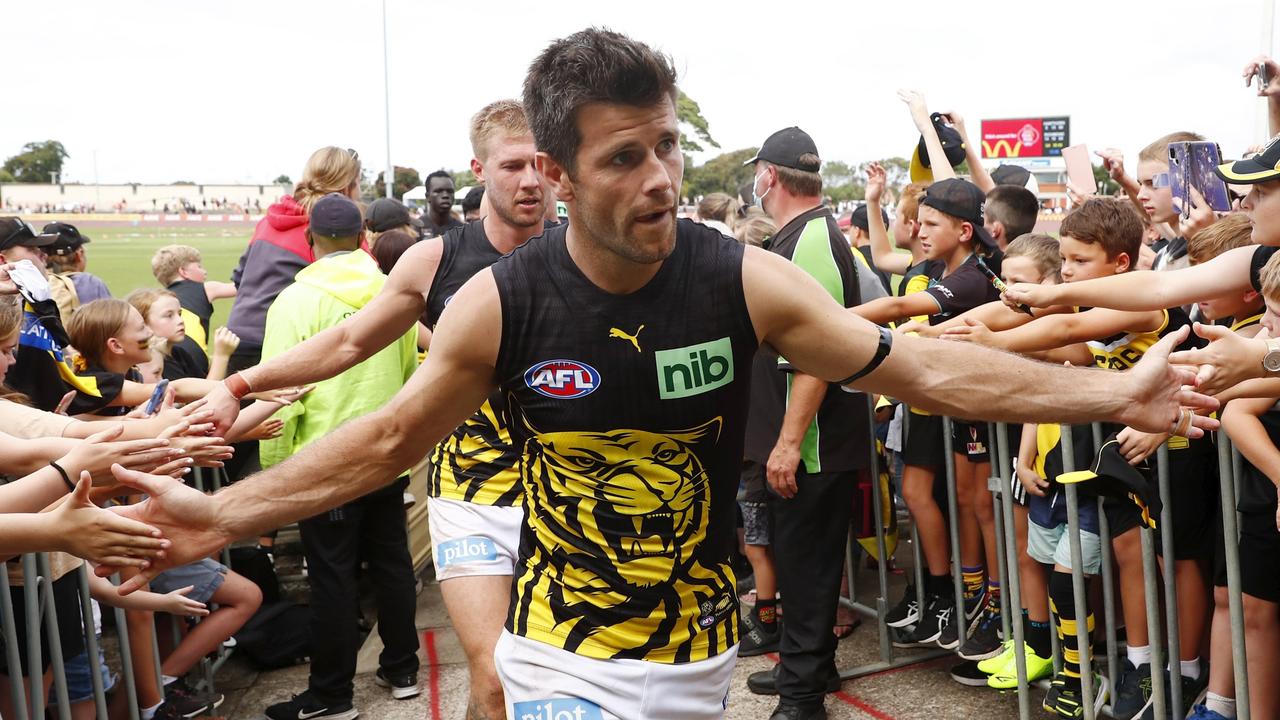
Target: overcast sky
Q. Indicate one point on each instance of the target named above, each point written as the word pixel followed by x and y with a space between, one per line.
pixel 237 91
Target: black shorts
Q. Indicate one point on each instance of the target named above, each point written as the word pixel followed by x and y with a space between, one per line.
pixel 1122 515
pixel 1194 495
pixel 1260 556
pixel 970 440
pixel 923 446
pixel 66 600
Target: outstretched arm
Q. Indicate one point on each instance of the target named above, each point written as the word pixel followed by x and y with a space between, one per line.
pixel 367 453
pixel 1146 289
pixel 388 316
pixel 792 313
pixel 882 253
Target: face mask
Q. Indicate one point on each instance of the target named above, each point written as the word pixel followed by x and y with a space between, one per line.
pixel 759 199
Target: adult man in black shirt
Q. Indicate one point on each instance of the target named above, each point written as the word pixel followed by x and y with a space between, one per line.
pixel 439 217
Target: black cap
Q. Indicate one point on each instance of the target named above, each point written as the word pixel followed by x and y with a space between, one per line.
pixel 960 199
pixel 952 145
pixel 384 214
pixel 69 238
pixel 335 215
pixel 859 218
pixel 1260 168
pixel 1112 476
pixel 785 147
pixel 1011 175
pixel 14 232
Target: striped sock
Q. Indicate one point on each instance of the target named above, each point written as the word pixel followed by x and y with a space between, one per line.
pixel 1063 605
pixel 973 581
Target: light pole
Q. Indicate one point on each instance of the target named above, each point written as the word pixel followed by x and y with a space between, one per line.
pixel 390 177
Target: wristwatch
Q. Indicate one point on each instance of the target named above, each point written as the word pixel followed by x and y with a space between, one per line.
pixel 1271 361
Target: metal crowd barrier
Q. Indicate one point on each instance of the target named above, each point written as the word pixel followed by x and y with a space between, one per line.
pixel 41 618
pixel 1160 598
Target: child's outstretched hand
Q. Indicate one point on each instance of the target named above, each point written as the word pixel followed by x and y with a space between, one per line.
pixel 1254 66
pixel 973 331
pixel 875 183
pixel 1137 446
pixel 225 342
pixel 177 603
pixel 918 107
pixel 269 430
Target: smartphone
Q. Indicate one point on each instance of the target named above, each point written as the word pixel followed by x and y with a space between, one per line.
pixel 1080 169
pixel 157 396
pixel 998 284
pixel 1264 77
pixel 1191 164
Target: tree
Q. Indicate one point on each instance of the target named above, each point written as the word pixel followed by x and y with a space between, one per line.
pixel 37 163
pixel 723 173
pixel 1106 186
pixel 464 178
pixel 283 180
pixel 406 179
pixel 688 113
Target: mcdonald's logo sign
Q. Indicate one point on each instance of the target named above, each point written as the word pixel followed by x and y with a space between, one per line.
pixel 1024 137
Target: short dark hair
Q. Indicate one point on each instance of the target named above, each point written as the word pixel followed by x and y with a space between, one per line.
pixel 1105 222
pixel 801 182
pixel 592 65
pixel 472 199
pixel 1014 207
pixel 437 174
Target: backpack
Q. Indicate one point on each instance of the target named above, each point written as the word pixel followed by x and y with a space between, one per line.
pixel 63 292
pixel 277 636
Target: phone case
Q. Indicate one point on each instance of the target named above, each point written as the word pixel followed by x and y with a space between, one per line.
pixel 1080 169
pixel 1191 164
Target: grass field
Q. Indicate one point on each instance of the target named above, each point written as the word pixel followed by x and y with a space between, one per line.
pixel 121 254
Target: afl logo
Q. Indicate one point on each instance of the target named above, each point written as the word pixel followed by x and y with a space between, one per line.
pixel 562 379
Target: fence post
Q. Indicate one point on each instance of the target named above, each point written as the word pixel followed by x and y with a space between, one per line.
pixel 1151 593
pixel 91 643
pixel 1231 547
pixel 1013 579
pixel 1106 569
pixel 9 630
pixel 958 614
pixel 35 659
pixel 882 565
pixel 1170 580
pixel 1067 447
pixel 126 657
pixel 57 663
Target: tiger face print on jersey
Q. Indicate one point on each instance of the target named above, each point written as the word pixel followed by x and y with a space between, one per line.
pixel 477 463
pixel 612 573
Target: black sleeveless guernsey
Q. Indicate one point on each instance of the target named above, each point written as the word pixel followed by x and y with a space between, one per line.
pixel 630 412
pixel 476 463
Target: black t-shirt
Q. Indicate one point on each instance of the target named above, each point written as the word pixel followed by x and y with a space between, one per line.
pixel 1257 492
pixel 837 438
pixel 961 291
pixel 1260 257
pixel 430 229
pixel 192 296
pixel 186 360
pixel 109 385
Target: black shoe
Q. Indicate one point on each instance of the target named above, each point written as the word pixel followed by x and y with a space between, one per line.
pixel 186 702
pixel 307 707
pixel 756 639
pixel 905 612
pixel 746 583
pixel 984 641
pixel 1191 690
pixel 967 673
pixel 937 613
pixel 402 686
pixel 765 682
pixel 973 609
pixel 1134 692
pixel 795 712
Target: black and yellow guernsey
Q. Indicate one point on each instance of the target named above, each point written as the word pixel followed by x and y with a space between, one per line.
pixel 476 463
pixel 630 413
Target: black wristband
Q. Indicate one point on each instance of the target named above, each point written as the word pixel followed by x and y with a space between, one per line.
pixel 882 352
pixel 65 477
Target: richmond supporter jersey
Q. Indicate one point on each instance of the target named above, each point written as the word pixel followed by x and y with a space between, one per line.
pixel 630 412
pixel 1124 350
pixel 477 462
pixel 1257 492
pixel 957 293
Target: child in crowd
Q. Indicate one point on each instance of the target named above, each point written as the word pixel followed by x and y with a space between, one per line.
pixel 952 234
pixel 184 358
pixel 178 269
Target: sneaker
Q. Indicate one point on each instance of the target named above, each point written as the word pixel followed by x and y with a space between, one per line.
pixel 765 682
pixel 907 610
pixel 1065 699
pixel 925 633
pixel 756 639
pixel 402 686
pixel 983 640
pixel 188 702
pixel 1006 678
pixel 1201 712
pixel 795 712
pixel 1133 694
pixel 409 500
pixel 307 707
pixel 996 663
pixel 1191 690
pixel 170 711
pixel 967 673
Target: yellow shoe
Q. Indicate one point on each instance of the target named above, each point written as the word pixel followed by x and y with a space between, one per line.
pixel 991 666
pixel 1007 677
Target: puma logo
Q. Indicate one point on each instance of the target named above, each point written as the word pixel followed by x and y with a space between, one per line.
pixel 623 335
